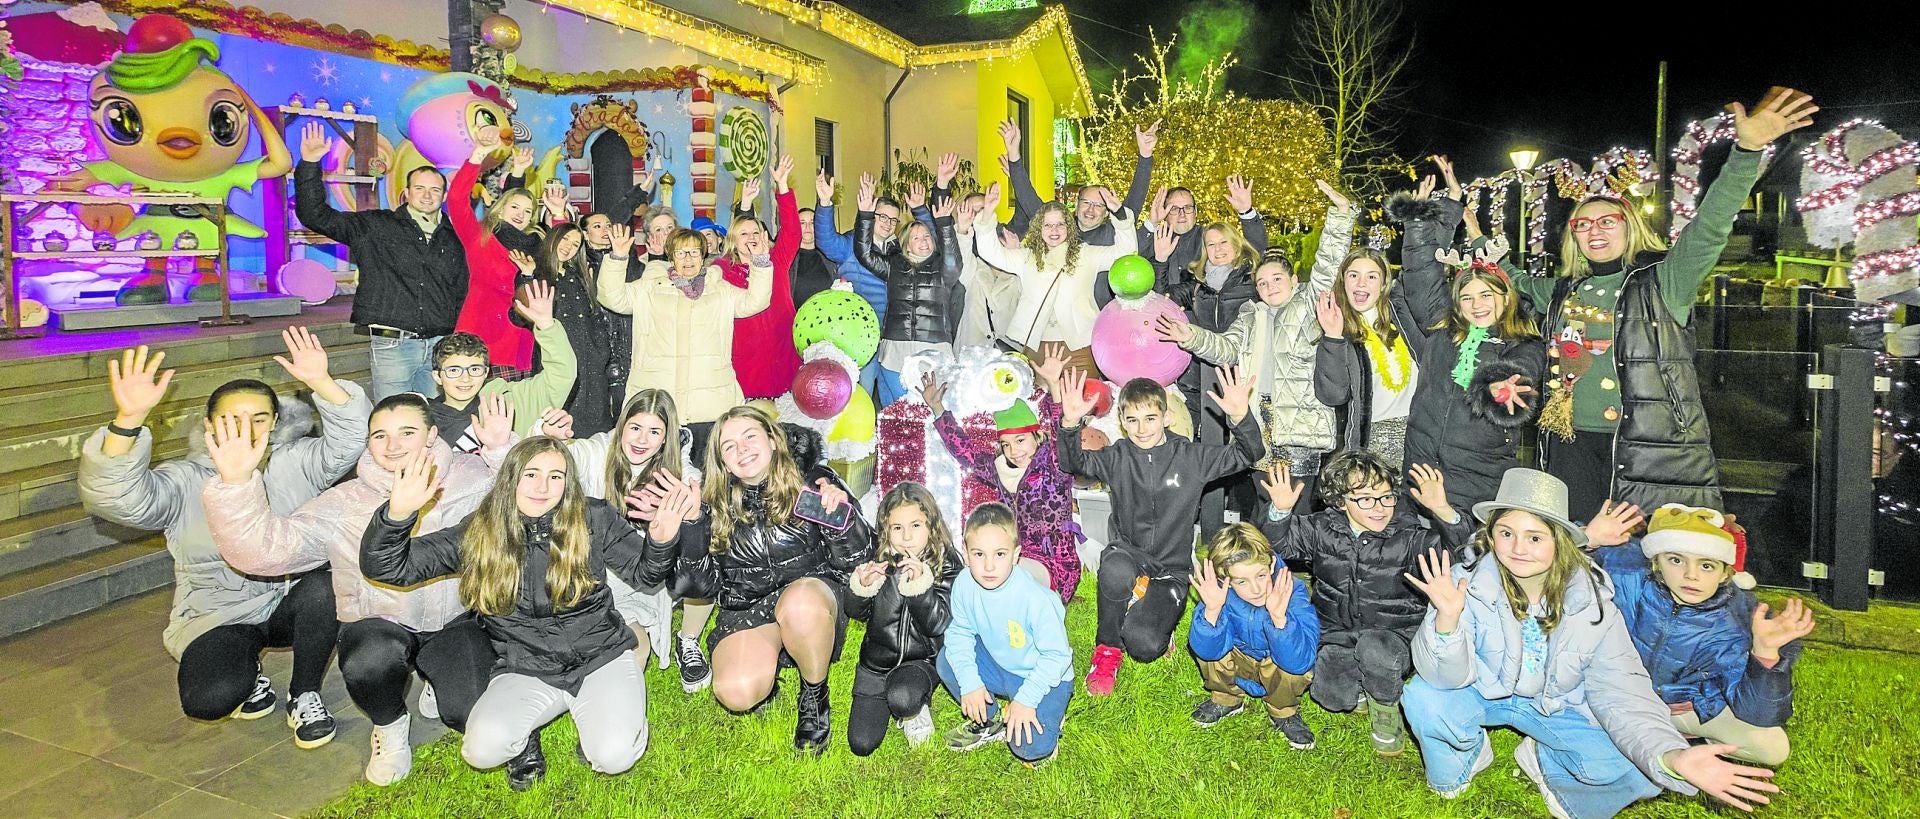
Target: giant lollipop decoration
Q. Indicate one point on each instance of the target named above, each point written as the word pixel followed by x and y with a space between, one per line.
pixel 1126 346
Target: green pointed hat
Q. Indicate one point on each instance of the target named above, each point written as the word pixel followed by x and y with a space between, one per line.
pixel 1016 419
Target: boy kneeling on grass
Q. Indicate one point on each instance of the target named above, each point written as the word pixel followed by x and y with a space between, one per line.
pixel 461 368
pixel 1719 662
pixel 1008 638
pixel 1254 633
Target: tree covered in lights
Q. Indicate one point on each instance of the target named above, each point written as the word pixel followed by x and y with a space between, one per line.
pixel 990 6
pixel 1207 134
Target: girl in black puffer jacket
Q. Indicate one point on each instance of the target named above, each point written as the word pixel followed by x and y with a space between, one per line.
pixel 902 596
pixel 779 579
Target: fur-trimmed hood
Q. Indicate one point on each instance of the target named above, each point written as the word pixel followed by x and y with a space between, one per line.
pixel 1404 207
pixel 296 421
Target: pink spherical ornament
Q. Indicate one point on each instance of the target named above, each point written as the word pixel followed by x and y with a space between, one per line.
pixel 1126 346
pixel 821 389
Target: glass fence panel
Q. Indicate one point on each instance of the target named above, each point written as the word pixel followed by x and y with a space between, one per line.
pixel 1761 414
pixel 1896 474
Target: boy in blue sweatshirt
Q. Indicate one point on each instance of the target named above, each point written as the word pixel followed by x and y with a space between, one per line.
pixel 1254 634
pixel 1722 665
pixel 1008 638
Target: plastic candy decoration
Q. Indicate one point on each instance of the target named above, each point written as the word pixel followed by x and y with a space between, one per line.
pixel 743 142
pixel 1126 346
pixel 155 33
pixel 856 423
pixel 1102 394
pixel 821 389
pixel 438 116
pixel 1131 276
pixel 842 317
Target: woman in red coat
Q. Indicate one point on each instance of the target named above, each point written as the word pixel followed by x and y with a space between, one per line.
pixel 492 266
pixel 763 356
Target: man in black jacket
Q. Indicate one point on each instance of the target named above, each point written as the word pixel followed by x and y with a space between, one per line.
pixel 413 271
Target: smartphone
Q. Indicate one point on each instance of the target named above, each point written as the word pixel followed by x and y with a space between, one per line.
pixel 810 506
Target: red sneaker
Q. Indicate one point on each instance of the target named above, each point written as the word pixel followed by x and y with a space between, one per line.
pixel 1106 666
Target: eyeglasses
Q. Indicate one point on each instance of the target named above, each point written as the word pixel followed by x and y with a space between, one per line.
pixel 1607 222
pixel 1369 502
pixel 1182 209
pixel 470 371
pixel 881 217
pixel 689 253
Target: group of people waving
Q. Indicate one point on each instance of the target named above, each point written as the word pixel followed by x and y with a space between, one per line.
pixel 521 544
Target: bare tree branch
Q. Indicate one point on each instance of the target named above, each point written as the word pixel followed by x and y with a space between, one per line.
pixel 1351 55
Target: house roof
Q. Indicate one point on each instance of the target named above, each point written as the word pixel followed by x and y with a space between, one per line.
pixel 943 22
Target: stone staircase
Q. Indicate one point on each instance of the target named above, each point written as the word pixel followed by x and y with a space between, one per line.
pixel 56 561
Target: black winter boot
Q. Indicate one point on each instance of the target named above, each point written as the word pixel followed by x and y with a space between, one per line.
pixel 529 767
pixel 815 726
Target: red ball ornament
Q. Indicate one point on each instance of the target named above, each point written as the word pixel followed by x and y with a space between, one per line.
pixel 1100 393
pixel 155 33
pixel 821 389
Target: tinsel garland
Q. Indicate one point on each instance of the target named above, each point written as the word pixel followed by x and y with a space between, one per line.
pixel 1469 359
pixel 911 450
pixel 1858 187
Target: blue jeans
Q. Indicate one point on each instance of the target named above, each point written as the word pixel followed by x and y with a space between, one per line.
pixel 1580 764
pixel 1003 683
pixel 402 365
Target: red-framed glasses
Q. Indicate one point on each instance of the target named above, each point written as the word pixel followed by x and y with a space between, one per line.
pixel 1607 222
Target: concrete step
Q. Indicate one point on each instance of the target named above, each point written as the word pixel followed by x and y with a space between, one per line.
pixel 82 583
pixel 92 366
pixel 56 485
pixel 31 405
pixel 33 541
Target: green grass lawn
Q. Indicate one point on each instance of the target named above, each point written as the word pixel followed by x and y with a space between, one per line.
pixel 1856 734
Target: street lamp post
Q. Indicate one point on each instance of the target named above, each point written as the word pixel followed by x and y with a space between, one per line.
pixel 1523 159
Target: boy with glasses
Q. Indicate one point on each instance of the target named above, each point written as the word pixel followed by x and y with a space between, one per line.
pixel 1358 549
pixel 461 369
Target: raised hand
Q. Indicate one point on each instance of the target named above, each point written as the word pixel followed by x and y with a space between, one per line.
pixel 415 486
pixel 1448 596
pixel 486 139
pixel 1282 491
pixel 555 423
pixel 523 261
pixel 867 197
pixel 1332 322
pixel 1107 198
pixel 750 191
pixel 1211 588
pixel 306 359
pixel 1006 166
pixel 870 572
pixel 138 384
pixel 932 391
pixel 681 503
pixel 1770 634
pixel 1163 240
pixel 537 305
pixel 493 425
pixel 781 170
pixel 1176 330
pixel 644 503
pixel 822 189
pixel 1145 139
pixel 831 496
pixel 1010 138
pixel 1614 524
pixel 1053 362
pixel 992 197
pixel 622 238
pixel 1734 784
pixel 234 450
pixel 1281 595
pixel 1511 393
pixel 1339 201
pixel 1157 212
pixel 1783 111
pixel 522 160
pixel 916 195
pixel 1430 489
pixel 1472 221
pixel 314 143
pixel 1235 393
pixel 1073 398
pixel 1446 172
pixel 555 198
pixel 943 207
pixel 1239 193
pixel 1425 188
pixel 948 168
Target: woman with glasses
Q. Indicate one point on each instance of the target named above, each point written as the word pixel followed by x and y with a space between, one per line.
pixel 1057 272
pixel 1625 411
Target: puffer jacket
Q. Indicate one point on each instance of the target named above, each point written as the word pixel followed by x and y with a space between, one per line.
pixel 1248 629
pixel 207 591
pixel 919 296
pixel 683 345
pixel 1700 655
pixel 537 639
pixel 1358 579
pixel 906 621
pixel 838 248
pixel 1343 375
pixel 1591 666
pixel 761 559
pixel 326 530
pixel 1285 335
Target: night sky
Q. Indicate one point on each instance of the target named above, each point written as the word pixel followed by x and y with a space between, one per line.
pixel 1571 79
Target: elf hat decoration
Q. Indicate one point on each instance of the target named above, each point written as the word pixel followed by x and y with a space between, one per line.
pixel 1017 419
pixel 1698 532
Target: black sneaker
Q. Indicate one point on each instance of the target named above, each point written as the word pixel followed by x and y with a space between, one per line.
pixel 695 674
pixel 1299 736
pixel 312 724
pixel 529 766
pixel 815 726
pixel 1209 713
pixel 970 735
pixel 259 703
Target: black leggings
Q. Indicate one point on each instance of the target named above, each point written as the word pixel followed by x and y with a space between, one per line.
pixel 378 656
pixel 1144 627
pixel 218 668
pixel 1373 661
pixel 878 695
pixel 1585 465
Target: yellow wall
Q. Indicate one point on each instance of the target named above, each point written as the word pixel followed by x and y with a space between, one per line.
pixel 1023 76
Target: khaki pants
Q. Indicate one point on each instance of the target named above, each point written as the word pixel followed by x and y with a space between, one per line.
pixel 1761 746
pixel 1283 690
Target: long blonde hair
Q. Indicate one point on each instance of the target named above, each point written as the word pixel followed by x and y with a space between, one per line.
pixel 1567 567
pixel 724 493
pixel 1641 238
pixel 1512 325
pixel 497 212
pixel 939 540
pixel 1037 245
pixel 1356 328
pixel 1243 252
pixel 496 539
pixel 623 477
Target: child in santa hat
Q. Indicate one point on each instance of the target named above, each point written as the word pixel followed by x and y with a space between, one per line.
pixel 1718 657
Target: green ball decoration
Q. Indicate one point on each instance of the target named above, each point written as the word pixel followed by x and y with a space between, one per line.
pixel 1131 276
pixel 842 317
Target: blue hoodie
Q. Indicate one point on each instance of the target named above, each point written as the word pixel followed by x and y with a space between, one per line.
pixel 1700 654
pixel 1247 628
pixel 838 248
pixel 1024 628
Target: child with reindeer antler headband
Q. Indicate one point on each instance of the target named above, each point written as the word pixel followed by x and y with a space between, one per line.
pixel 1624 404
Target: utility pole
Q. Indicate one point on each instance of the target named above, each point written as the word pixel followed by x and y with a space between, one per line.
pixel 1662 160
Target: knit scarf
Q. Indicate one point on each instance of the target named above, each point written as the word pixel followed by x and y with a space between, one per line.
pixel 1469 357
pixel 1217 274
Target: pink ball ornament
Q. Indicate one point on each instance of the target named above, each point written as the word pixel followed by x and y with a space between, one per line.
pixel 1126 346
pixel 821 389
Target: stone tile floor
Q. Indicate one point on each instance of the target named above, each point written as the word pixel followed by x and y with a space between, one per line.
pixel 90 725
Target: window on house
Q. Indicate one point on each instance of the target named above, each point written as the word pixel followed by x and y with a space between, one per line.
pixel 823 146
pixel 1017 114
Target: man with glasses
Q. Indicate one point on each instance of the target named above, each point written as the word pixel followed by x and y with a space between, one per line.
pixel 1176 208
pixel 462 370
pixel 1094 206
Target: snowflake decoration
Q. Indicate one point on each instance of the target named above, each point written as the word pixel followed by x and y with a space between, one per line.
pixel 270 68
pixel 386 75
pixel 325 72
pixel 366 102
pixel 659 108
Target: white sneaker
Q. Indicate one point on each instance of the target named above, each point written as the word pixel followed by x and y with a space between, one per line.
pixel 392 757
pixel 429 704
pixel 919 727
pixel 1528 757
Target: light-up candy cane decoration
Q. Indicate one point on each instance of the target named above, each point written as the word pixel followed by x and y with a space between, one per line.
pixel 1858 186
pixel 1686 166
